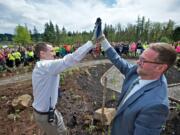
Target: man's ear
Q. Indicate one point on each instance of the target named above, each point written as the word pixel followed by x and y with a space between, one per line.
pixel 41 54
pixel 163 67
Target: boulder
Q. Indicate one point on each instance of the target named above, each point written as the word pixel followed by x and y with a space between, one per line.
pixel 108 116
pixel 22 101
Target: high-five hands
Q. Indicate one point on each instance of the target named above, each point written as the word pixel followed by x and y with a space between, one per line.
pixel 97 32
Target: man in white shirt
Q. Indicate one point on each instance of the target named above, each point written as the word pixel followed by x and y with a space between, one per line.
pixel 45 81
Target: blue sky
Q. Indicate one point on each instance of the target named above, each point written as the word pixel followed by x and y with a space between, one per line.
pixel 109 2
pixel 80 15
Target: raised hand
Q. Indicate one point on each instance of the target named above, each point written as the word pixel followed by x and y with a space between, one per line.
pixel 97 32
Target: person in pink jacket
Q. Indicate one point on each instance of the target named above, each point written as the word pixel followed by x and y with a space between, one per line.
pixel 178 49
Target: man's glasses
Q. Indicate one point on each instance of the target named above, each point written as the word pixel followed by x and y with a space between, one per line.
pixel 142 61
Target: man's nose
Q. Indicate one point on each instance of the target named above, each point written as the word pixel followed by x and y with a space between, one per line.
pixel 138 62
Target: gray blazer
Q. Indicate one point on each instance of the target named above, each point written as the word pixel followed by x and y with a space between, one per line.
pixel 144 112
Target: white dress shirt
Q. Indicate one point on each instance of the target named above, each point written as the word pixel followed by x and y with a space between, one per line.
pixel 137 87
pixel 45 77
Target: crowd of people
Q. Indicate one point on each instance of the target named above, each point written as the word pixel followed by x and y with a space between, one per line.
pixel 23 56
pixel 14 57
pixel 131 49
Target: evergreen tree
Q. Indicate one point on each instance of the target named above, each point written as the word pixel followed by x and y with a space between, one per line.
pixel 168 29
pixel 49 33
pixel 131 32
pixel 36 35
pixel 138 27
pixel 146 30
pixel 176 34
pixel 57 35
pixel 118 32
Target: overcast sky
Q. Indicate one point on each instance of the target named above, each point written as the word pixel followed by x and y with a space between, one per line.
pixel 80 15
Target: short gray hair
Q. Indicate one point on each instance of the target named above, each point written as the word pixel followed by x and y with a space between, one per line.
pixel 166 53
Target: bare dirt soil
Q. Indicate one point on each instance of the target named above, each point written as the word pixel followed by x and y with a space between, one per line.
pixel 81 95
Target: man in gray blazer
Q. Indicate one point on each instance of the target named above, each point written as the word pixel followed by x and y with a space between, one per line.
pixel 142 107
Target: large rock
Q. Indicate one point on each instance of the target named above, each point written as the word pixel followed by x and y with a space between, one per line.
pixel 22 101
pixel 108 116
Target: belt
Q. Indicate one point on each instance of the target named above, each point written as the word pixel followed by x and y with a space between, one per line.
pixel 42 113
